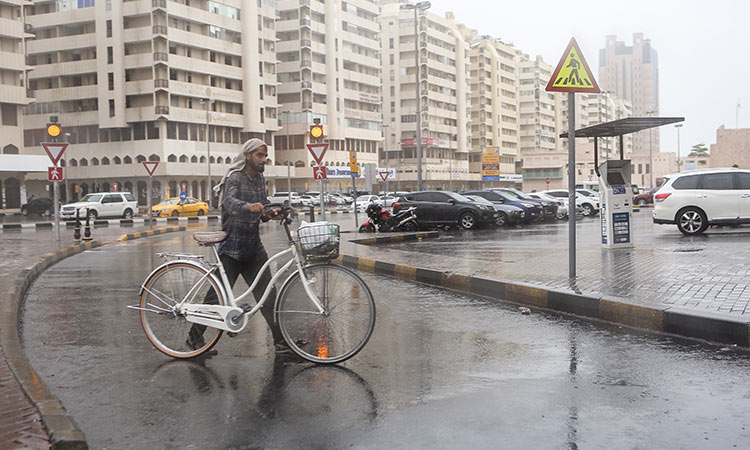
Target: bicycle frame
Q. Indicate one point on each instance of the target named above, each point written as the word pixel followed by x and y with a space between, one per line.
pixel 232 317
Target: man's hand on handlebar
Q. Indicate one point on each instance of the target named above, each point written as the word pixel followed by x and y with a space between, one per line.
pixel 276 211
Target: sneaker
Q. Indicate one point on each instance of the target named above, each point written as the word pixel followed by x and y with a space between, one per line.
pixel 199 344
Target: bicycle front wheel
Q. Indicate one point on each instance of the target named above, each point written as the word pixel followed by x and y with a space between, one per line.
pixel 344 326
pixel 168 330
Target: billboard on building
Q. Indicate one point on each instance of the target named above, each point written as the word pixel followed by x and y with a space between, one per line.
pixel 491 164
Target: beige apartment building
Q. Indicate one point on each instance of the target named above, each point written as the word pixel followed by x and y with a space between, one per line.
pixel 144 80
pixel 329 73
pixel 495 108
pixel 13 97
pixel 444 98
pixel 632 73
pixel 732 148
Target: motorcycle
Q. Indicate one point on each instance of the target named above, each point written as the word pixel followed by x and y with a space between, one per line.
pixel 381 220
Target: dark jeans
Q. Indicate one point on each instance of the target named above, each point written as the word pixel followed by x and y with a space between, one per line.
pixel 248 269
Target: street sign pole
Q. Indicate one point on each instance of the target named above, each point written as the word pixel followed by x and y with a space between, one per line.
pixel 571 185
pixel 57 208
pixel 322 200
pixel 148 203
pixel 354 193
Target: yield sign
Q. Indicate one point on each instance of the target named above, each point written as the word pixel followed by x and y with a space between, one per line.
pixel 319 173
pixel 317 151
pixel 55 150
pixel 384 174
pixel 150 166
pixel 572 73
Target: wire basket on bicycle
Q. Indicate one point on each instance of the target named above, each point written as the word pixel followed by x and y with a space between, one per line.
pixel 319 240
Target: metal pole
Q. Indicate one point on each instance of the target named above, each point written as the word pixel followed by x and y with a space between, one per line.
pixel 150 224
pixel 322 201
pixel 354 193
pixel 650 160
pixel 571 185
pixel 288 161
pixel 678 126
pixel 385 150
pixel 208 151
pixel 419 108
pixel 56 188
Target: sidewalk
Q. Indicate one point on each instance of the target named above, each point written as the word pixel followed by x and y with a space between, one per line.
pixel 20 419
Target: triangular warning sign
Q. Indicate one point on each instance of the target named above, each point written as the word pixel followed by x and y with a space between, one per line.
pixel 384 174
pixel 317 151
pixel 54 150
pixel 150 166
pixel 572 73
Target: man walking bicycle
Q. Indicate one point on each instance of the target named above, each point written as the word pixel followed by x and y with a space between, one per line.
pixel 242 196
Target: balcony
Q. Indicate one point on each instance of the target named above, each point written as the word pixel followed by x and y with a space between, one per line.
pixel 158 56
pixel 305 42
pixel 159 4
pixel 306 105
pixel 160 29
pixel 161 83
pixel 306 63
pixel 161 110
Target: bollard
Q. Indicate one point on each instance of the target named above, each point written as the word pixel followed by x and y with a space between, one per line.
pixel 77 231
pixel 312 213
pixel 87 228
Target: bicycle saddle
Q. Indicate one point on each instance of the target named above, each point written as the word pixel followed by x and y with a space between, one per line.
pixel 210 237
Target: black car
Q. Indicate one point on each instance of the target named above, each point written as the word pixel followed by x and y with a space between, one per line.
pixel 550 208
pixel 436 208
pixel 40 205
pixel 533 211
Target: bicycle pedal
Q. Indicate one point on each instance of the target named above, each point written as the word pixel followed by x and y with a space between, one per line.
pixel 232 334
pixel 246 307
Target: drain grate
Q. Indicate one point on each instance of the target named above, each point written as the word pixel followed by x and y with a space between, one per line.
pixel 688 250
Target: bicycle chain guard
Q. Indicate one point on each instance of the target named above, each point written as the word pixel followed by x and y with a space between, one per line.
pixel 225 318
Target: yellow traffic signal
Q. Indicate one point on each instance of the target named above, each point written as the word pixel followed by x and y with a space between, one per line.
pixel 54 129
pixel 316 131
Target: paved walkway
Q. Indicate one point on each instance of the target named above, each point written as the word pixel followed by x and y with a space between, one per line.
pixel 20 425
pixel 708 273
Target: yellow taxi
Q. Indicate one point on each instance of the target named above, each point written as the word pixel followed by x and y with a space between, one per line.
pixel 174 207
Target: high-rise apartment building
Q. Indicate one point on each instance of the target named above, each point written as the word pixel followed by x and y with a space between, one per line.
pixel 632 73
pixel 328 72
pixel 13 94
pixel 494 106
pixel 144 80
pixel 444 92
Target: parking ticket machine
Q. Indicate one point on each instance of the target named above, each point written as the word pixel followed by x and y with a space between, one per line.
pixel 616 199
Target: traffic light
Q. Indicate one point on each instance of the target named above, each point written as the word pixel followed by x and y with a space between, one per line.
pixel 316 131
pixel 54 129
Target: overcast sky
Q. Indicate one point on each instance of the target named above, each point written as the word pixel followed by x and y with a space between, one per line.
pixel 703 48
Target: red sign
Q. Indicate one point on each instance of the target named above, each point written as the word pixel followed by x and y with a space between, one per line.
pixel 317 151
pixel 150 166
pixel 319 173
pixel 115 187
pixel 547 180
pixel 54 173
pixel 54 150
pixel 384 174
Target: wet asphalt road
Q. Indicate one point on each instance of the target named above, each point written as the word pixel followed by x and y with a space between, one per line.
pixel 443 370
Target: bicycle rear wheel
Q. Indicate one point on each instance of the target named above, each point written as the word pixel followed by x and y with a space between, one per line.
pixel 345 325
pixel 167 330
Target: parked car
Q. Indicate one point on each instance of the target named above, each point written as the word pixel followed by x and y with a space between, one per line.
pixel 549 209
pixel 338 198
pixel 436 208
pixel 364 200
pixel 506 214
pixel 283 197
pixel 594 186
pixel 695 199
pixel 588 193
pixel 174 207
pixel 561 203
pixel 532 210
pixel 589 205
pixel 40 205
pixel 644 198
pixel 102 204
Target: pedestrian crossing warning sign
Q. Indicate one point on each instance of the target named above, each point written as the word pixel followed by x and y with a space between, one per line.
pixel 572 73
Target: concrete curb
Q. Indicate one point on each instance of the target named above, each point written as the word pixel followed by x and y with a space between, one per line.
pixel 141 234
pixel 704 325
pixel 396 238
pixel 106 223
pixel 63 430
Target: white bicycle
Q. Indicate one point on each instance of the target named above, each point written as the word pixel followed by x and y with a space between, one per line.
pixel 326 312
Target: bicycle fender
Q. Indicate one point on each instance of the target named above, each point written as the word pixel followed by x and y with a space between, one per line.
pixel 213 275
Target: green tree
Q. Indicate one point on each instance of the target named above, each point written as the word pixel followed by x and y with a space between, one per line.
pixel 698 150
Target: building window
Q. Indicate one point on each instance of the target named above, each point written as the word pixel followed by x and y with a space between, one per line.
pixel 110 55
pixel 111 81
pixel 109 28
pixel 111 108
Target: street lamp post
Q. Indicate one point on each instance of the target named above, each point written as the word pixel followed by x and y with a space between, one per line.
pixel 678 126
pixel 288 160
pixel 208 102
pixel 420 6
pixel 385 150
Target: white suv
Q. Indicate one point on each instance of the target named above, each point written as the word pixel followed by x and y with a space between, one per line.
pixel 696 199
pixel 102 204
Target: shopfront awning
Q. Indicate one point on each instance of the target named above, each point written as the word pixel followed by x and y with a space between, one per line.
pixel 624 126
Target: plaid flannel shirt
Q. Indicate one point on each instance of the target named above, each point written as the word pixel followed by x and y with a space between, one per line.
pixel 242 225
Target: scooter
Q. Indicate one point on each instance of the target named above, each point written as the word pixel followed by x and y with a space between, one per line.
pixel 381 220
